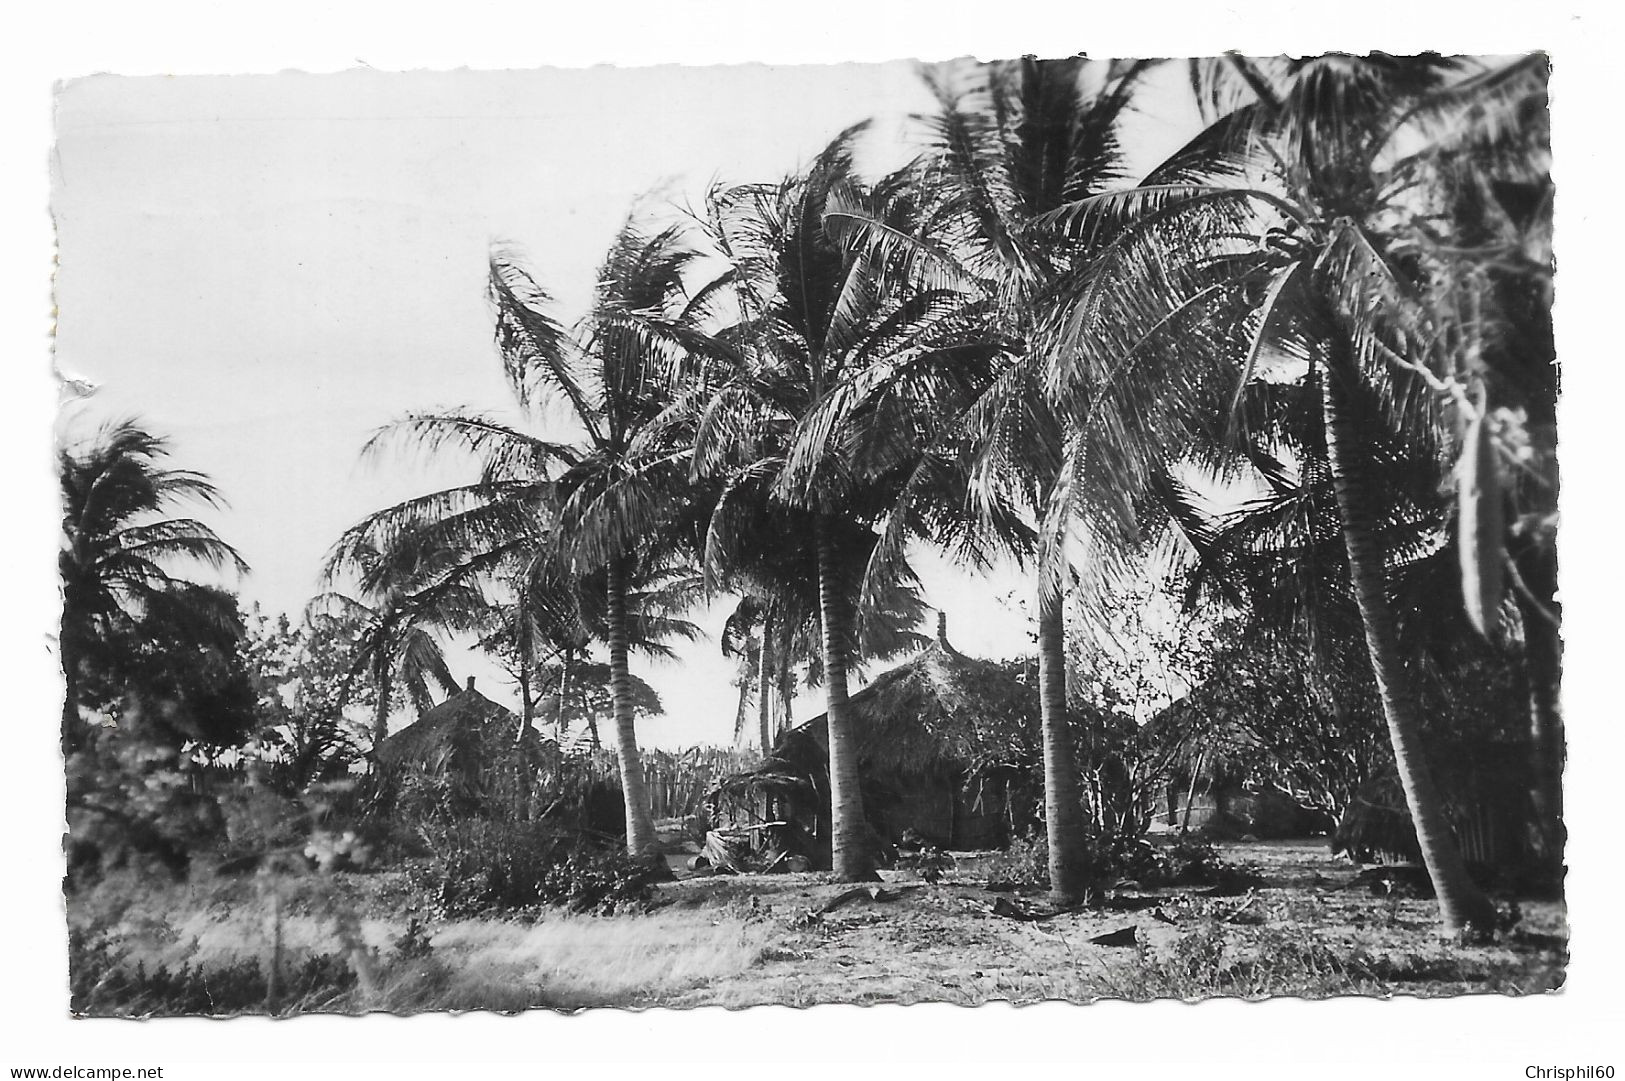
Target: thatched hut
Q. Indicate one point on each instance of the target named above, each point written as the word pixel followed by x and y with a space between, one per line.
pixel 1216 780
pixel 944 744
pixel 467 755
pixel 1485 785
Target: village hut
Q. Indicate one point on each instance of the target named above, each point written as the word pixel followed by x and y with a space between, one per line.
pixel 945 748
pixel 468 755
pixel 1213 780
pixel 1485 785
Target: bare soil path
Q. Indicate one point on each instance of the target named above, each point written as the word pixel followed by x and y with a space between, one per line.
pixel 1304 929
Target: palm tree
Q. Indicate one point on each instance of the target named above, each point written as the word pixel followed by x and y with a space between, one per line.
pixel 753 632
pixel 620 497
pixel 119 552
pixel 409 595
pixel 519 532
pixel 1299 264
pixel 775 628
pixel 1489 265
pixel 494 536
pixel 823 417
pixel 1010 143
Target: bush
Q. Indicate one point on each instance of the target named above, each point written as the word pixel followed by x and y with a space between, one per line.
pixel 1202 964
pixel 131 804
pixel 102 985
pixel 414 944
pixel 1023 865
pixel 478 868
pixel 1188 862
pixel 1112 857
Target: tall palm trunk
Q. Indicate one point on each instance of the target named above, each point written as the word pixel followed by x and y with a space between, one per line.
pixel 764 687
pixel 559 719
pixel 849 841
pixel 527 662
pixel 1463 907
pixel 1543 665
pixel 640 830
pixel 73 733
pixel 380 715
pixel 1063 807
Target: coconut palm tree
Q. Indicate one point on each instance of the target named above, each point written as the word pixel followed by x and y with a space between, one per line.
pixel 120 552
pixel 409 598
pixel 754 633
pixel 1008 144
pixel 824 416
pixel 1297 262
pixel 518 532
pixel 620 500
pixel 1487 151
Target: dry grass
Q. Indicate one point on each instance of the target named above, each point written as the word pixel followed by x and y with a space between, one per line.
pixel 748 941
pixel 579 961
pixel 558 960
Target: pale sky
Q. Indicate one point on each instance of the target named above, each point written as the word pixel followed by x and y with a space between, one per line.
pixel 54 41
pixel 268 268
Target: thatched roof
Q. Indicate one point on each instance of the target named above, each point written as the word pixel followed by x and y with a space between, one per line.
pixel 467 719
pixel 940 712
pixel 1196 737
pixel 1484 787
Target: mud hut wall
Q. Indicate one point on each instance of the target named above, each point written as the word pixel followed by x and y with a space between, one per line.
pixel 949 810
pixel 981 823
pixel 1229 810
pixel 1200 811
pixel 924 804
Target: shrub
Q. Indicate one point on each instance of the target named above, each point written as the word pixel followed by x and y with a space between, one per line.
pixel 1202 964
pixel 103 985
pixel 1023 865
pixel 131 803
pixel 480 868
pixel 1112 857
pixel 931 864
pixel 414 944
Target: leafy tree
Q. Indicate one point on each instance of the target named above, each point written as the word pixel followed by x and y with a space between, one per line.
pixel 1010 143
pixel 410 597
pixel 825 409
pixel 620 493
pixel 304 676
pixel 135 633
pixel 769 636
pixel 1298 245
pixel 583 695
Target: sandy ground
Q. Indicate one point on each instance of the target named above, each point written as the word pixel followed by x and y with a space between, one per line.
pixel 1302 930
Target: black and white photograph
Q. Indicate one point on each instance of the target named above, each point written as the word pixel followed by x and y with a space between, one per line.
pixel 1054 528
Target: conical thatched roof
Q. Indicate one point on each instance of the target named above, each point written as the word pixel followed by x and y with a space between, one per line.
pixel 940 712
pixel 1195 737
pixel 467 721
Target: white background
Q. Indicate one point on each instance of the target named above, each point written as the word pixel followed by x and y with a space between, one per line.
pixel 1476 1037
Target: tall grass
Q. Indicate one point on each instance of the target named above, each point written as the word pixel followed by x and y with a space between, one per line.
pixel 155 953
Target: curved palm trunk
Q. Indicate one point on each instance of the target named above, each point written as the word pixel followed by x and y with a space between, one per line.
pixel 640 830
pixel 1463 907
pixel 1063 806
pixel 851 853
pixel 764 688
